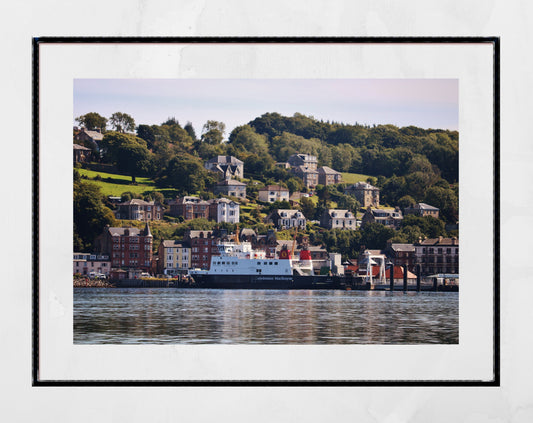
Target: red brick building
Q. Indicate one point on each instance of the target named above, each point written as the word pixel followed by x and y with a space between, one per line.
pixel 128 248
pixel 203 247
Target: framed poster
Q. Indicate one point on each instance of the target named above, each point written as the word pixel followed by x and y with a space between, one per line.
pixel 418 113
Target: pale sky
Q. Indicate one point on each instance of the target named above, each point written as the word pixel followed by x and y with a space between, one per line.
pixel 426 103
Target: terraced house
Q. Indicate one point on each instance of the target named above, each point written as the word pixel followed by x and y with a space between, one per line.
pixel 174 258
pixel 128 248
pixel 437 255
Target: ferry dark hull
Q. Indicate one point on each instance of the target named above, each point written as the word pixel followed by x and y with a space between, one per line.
pixel 266 282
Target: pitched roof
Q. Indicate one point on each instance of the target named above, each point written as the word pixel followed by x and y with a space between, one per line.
pixel 231 182
pixel 196 233
pixel 274 188
pixel 424 206
pixel 138 202
pixel 80 147
pixel 341 213
pixel 439 241
pixel 247 232
pixel 304 169
pixel 174 243
pixel 188 200
pixel 225 160
pixel 221 200
pixel 327 170
pixel 95 135
pixel 403 247
pixel 123 231
pixel 362 185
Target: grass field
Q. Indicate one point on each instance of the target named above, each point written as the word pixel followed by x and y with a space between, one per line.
pixel 352 178
pixel 113 184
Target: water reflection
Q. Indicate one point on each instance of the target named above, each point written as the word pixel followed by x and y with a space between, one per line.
pixel 158 316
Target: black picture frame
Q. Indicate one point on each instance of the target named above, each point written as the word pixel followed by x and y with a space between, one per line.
pixel 40 41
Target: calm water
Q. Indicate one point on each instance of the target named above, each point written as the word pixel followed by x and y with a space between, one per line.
pixel 185 316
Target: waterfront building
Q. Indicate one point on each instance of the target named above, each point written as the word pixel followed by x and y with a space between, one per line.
pixel 87 264
pixel 128 247
pixel 136 209
pixel 437 255
pixel 266 243
pixel 400 254
pixel 366 194
pixel 272 193
pixel 203 246
pixel 338 219
pixel 174 258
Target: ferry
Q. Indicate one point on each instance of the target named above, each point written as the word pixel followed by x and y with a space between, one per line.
pixel 238 266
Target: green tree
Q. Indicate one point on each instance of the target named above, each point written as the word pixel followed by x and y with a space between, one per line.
pixel 308 208
pixel 129 153
pixel 122 122
pixel 446 200
pixel 190 130
pixel 258 165
pixel 147 133
pixel 374 235
pixel 429 226
pixel 90 215
pixel 406 201
pixel 92 121
pixel 186 174
pixel 245 139
pixel 213 132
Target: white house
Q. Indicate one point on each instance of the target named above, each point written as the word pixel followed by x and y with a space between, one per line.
pixel 224 210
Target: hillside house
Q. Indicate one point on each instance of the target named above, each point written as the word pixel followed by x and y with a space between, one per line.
pixel 224 210
pixel 92 137
pixel 328 176
pixel 390 218
pixel 227 166
pixel 272 193
pixel 231 188
pixel 81 154
pixel 136 209
pixel 366 194
pixel 422 210
pixel 287 219
pixel 338 219
pixel 189 207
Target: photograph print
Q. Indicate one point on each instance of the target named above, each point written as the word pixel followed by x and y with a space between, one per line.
pixel 298 205
pixel 266 211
